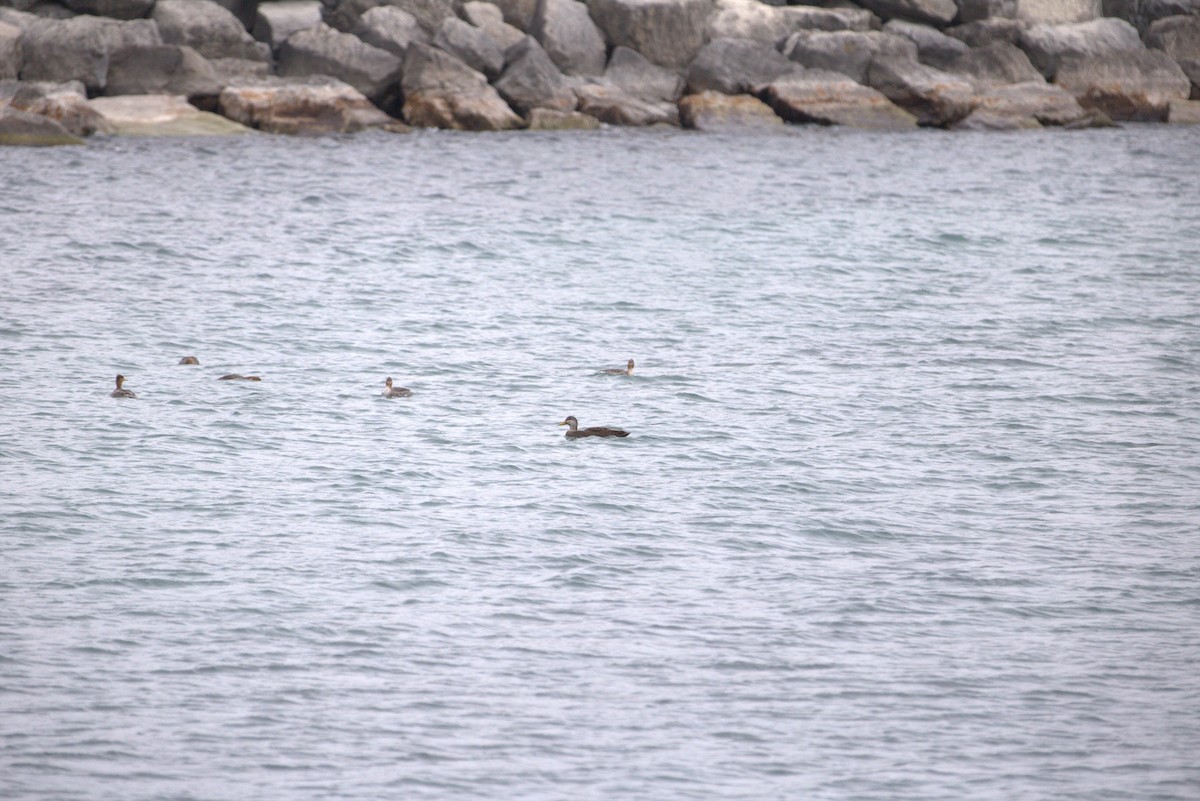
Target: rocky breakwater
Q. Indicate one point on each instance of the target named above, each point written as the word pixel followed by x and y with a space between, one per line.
pixel 70 69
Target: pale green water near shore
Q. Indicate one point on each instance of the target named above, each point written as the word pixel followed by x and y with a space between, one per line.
pixel 910 508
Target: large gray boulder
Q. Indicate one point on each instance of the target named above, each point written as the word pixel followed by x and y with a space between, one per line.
pixel 610 105
pixel 569 37
pixel 1059 12
pixel 472 45
pixel 161 70
pixel 10 51
pixel 390 28
pixel 531 80
pixel 314 105
pixel 667 32
pixel 65 103
pixel 275 21
pixel 1126 84
pixel 489 18
pixel 998 63
pixel 975 10
pixel 933 47
pixel 440 91
pixel 986 31
pixel 714 111
pixel 931 12
pixel 211 29
pixel 937 98
pixel 735 67
pixel 771 25
pixel 67 50
pixel 428 13
pixel 1144 13
pixel 635 75
pixel 847 52
pixel 78 49
pixel 32 130
pixel 1178 37
pixel 325 51
pixel 1047 45
pixel 116 9
pixel 823 97
pixel 162 115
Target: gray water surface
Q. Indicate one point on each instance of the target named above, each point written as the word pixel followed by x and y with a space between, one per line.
pixel 909 509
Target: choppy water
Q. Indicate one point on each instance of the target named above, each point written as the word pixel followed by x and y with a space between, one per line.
pixel 910 507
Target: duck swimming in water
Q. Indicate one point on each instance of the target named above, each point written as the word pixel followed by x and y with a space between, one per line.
pixel 596 431
pixel 119 392
pixel 189 360
pixel 238 377
pixel 627 370
pixel 395 392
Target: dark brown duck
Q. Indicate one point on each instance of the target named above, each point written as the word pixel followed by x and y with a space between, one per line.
pixel 576 432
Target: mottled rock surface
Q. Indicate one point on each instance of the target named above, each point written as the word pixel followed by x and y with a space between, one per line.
pixel 161 70
pixel 714 111
pixel 32 130
pixel 440 91
pixel 1047 45
pixel 667 32
pixel 301 106
pixel 847 52
pixel 162 115
pixel 830 98
pixel 275 21
pixel 531 80
pixel 1136 85
pixel 735 66
pixel 325 51
pixel 935 97
pixel 567 34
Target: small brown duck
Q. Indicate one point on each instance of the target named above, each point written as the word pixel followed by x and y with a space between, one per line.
pixel 626 370
pixel 189 360
pixel 395 392
pixel 239 377
pixel 575 432
pixel 119 392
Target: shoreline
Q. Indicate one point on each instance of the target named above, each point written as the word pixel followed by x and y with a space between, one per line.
pixel 200 67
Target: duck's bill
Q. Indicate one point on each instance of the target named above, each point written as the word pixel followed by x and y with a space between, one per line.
pixel 563 423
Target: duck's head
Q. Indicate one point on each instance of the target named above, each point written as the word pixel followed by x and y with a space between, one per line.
pixel 189 360
pixel 572 422
pixel 120 380
pixel 388 382
pixel 629 366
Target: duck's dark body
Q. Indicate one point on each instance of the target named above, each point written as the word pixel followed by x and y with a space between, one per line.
pixel 626 370
pixel 575 432
pixel 596 431
pixel 120 392
pixel 390 391
pixel 237 377
pixel 189 360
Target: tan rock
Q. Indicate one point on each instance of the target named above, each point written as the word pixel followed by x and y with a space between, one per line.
pixel 309 106
pixel 162 115
pixel 830 98
pixel 1184 112
pixel 545 119
pixel 709 111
